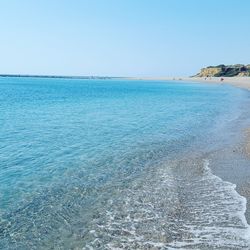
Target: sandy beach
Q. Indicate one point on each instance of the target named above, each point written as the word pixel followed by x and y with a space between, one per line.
pixel 247 147
pixel 241 82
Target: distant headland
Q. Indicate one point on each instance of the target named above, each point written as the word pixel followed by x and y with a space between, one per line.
pixel 225 71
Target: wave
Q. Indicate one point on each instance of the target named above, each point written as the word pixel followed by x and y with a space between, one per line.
pixel 182 205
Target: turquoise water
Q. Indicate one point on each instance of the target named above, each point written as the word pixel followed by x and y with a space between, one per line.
pixel 108 164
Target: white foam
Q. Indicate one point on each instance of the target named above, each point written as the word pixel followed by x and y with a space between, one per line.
pixel 221 236
pixel 242 200
pixel 176 209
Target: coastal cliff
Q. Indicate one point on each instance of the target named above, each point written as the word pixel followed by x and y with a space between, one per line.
pixel 225 70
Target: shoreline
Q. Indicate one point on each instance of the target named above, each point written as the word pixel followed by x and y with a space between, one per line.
pixel 242 184
pixel 240 82
pixel 238 152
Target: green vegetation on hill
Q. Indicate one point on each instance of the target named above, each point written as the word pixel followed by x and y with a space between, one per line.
pixel 225 70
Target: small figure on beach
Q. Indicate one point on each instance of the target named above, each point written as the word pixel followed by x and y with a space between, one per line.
pixel 222 79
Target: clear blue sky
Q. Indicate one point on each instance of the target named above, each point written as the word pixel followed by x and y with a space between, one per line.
pixel 122 37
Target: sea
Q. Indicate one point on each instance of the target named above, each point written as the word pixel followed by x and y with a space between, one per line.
pixel 118 164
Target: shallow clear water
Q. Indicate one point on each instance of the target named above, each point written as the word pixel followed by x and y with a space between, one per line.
pixel 108 164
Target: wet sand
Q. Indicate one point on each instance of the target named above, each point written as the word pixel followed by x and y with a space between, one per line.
pixel 247 146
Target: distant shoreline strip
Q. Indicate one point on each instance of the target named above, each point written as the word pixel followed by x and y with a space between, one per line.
pixel 58 76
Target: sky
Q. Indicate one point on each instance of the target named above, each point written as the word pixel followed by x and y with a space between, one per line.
pixel 122 37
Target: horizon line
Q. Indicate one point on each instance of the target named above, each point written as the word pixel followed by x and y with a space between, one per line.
pixel 61 76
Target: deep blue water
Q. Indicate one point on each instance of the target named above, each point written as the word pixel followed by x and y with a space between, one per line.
pixel 71 149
